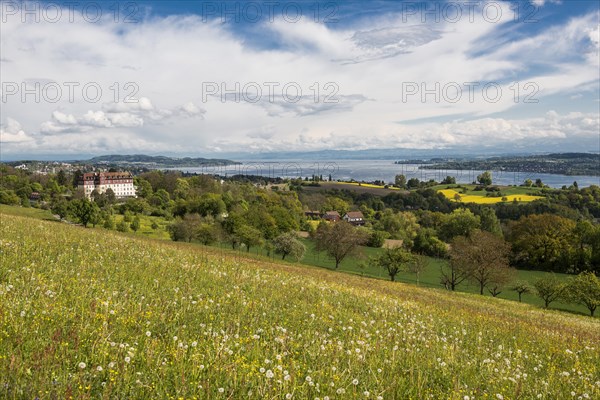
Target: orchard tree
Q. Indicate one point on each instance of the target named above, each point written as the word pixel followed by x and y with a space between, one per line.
pixel 522 287
pixel 483 258
pixel 453 274
pixel 549 289
pixel 288 244
pixel 393 260
pixel 249 236
pixel 418 265
pixel 338 240
pixel 208 233
pixel 584 290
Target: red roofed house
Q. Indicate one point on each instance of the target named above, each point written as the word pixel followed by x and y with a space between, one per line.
pixel 354 218
pixel 331 216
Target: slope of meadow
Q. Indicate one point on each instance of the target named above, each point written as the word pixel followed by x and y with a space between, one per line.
pixel 95 314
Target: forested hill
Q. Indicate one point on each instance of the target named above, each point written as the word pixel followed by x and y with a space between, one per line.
pixel 559 163
pixel 162 161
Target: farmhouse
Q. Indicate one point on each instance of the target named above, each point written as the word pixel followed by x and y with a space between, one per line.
pixel 312 214
pixel 331 216
pixel 121 183
pixel 354 218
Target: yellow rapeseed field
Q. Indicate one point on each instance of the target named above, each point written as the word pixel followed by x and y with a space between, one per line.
pixel 450 194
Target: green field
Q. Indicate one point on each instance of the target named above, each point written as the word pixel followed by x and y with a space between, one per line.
pixel 27 212
pixel 146 226
pixel 90 313
pixel 355 264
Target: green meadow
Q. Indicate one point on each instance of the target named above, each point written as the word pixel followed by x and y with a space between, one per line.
pixel 90 313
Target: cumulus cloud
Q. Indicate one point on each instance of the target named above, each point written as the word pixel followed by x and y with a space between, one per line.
pixel 12 132
pixel 163 62
pixel 555 128
pixel 116 115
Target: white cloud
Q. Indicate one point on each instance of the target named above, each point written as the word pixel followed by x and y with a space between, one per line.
pixel 541 3
pixel 163 63
pixel 12 132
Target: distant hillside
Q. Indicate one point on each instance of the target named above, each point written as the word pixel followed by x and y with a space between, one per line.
pixel 557 163
pixel 158 161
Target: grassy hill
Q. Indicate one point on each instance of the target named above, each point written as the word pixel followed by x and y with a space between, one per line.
pixel 354 264
pixel 96 314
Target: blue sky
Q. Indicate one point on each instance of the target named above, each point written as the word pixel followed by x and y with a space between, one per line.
pixel 210 78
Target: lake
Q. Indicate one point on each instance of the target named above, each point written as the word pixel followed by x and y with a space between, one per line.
pixel 386 170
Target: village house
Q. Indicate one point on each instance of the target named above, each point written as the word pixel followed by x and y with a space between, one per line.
pixel 312 214
pixel 354 218
pixel 331 216
pixel 121 183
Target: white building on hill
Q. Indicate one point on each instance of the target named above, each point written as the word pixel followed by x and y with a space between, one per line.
pixel 121 183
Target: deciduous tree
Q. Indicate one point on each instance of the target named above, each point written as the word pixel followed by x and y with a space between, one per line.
pixel 393 260
pixel 584 290
pixel 338 240
pixel 522 287
pixel 288 244
pixel 549 289
pixel 483 258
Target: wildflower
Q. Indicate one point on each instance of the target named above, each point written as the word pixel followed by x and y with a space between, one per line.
pixel 269 374
pixel 288 396
pixel 499 396
pixel 262 370
pixel 287 378
pixel 355 382
pixel 366 393
pixel 221 390
pixel 194 344
pixel 466 398
pixel 308 379
pixel 148 333
pixel 81 365
pixel 127 359
pixel 99 368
